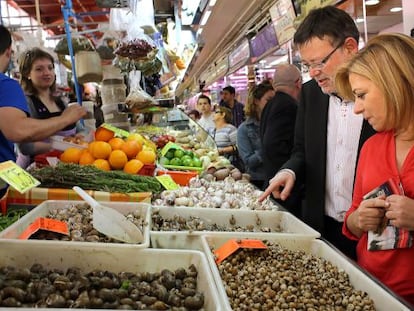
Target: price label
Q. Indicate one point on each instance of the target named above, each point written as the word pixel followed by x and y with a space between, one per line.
pixel 17 177
pixel 233 245
pixel 46 224
pixel 167 182
pixel 116 130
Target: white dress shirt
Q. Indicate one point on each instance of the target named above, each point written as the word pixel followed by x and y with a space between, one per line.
pixel 344 130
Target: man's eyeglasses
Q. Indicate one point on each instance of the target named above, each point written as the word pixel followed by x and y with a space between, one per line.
pixel 307 67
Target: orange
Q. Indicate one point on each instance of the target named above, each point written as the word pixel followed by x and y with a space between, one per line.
pixel 91 146
pixel 131 148
pixel 86 158
pixel 136 136
pixel 116 143
pixel 118 159
pixel 147 156
pixel 102 164
pixel 133 166
pixel 71 155
pixel 103 134
pixel 101 150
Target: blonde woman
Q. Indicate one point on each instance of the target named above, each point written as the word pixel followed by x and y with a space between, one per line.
pixel 381 81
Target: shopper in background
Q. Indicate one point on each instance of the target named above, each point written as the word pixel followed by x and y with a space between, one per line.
pixel 15 125
pixel 277 127
pixel 224 133
pixel 229 101
pixel 194 115
pixel 38 80
pixel 207 116
pixel 328 135
pixel 248 136
pixel 384 95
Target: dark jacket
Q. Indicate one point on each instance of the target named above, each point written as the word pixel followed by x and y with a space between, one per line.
pixel 308 158
pixel 277 126
pixel 237 112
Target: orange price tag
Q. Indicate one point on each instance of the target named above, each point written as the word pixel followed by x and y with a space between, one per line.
pixel 233 245
pixel 46 224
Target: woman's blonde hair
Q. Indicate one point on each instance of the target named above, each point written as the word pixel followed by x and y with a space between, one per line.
pixel 388 61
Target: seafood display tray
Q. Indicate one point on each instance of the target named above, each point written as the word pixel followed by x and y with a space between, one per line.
pixel 42 210
pixel 384 299
pixel 289 225
pixel 110 259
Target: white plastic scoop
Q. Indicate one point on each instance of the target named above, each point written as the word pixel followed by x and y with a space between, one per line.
pixel 110 222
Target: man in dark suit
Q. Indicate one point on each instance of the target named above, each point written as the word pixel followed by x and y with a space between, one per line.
pixel 277 125
pixel 328 135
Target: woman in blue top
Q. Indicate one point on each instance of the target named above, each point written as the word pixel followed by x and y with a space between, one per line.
pixel 248 134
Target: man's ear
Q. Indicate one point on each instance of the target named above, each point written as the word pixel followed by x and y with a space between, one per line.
pixel 351 45
pixel 8 52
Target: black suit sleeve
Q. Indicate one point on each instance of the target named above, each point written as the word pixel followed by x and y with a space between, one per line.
pixel 297 158
pixel 277 136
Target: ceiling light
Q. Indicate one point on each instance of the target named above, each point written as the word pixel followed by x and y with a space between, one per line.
pixel 359 20
pixel 371 2
pixel 396 9
pixel 212 2
pixel 205 17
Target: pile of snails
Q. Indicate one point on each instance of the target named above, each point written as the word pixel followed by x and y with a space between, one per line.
pixel 39 287
pixel 79 220
pixel 195 223
pixel 216 194
pixel 280 279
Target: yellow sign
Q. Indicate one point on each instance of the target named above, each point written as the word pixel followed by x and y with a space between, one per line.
pixel 17 177
pixel 283 17
pixel 167 182
pixel 307 5
pixel 116 130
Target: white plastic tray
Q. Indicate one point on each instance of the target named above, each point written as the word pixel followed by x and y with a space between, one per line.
pixel 43 209
pixel 59 144
pixel 289 225
pixel 114 260
pixel 384 299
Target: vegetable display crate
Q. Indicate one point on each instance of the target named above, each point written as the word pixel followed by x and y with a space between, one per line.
pixel 147 170
pixel 278 222
pixel 180 177
pixel 15 230
pixel 38 195
pixel 41 159
pixel 383 298
pixel 183 168
pixel 113 260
